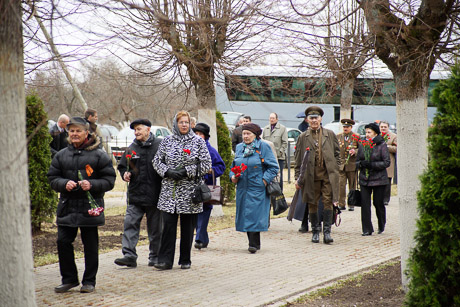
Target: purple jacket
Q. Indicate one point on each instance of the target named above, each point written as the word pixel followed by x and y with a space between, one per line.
pixel 218 164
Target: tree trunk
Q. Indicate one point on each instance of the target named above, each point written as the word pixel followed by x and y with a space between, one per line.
pixel 346 98
pixel 206 95
pixel 412 155
pixel 17 280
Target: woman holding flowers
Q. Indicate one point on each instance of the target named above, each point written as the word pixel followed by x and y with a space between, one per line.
pixel 81 173
pixel 373 159
pixel 177 160
pixel 253 168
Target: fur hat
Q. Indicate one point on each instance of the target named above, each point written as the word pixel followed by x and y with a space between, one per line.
pixel 254 128
pixel 203 128
pixel 374 127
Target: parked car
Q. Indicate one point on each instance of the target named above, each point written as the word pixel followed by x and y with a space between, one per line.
pixel 51 123
pixel 231 118
pixel 293 135
pixel 108 132
pixel 126 136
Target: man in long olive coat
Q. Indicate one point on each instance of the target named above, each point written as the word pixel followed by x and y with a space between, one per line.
pixel 321 178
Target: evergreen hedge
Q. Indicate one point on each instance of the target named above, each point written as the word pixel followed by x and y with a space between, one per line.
pixel 224 144
pixel 434 263
pixel 43 200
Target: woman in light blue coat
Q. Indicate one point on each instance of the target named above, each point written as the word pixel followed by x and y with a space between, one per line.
pixel 252 200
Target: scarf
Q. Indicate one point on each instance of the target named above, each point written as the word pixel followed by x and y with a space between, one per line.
pixel 248 149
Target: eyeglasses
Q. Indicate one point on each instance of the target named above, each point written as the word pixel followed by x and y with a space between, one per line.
pixel 183 123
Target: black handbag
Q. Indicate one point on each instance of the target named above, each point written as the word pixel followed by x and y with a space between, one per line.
pixel 201 193
pixel 279 204
pixel 274 188
pixel 354 198
pixel 217 194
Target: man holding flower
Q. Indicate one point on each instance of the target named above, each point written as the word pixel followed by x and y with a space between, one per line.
pixel 348 142
pixel 81 173
pixel 144 185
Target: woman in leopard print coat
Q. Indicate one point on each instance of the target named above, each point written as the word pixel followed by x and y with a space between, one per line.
pixel 176 161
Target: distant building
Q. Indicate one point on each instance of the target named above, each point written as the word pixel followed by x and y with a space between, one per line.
pixel 258 96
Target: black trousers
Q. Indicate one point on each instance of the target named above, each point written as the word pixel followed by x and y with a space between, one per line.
pixel 168 237
pixel 254 239
pixel 386 197
pixel 377 199
pixel 67 266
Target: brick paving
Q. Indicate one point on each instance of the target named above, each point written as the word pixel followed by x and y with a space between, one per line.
pixel 225 274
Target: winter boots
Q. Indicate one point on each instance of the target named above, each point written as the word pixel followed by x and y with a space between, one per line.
pixel 315 227
pixel 327 222
pixel 304 227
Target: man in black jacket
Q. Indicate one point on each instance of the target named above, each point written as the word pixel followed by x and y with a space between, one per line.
pixel 144 188
pixel 59 134
pixel 81 173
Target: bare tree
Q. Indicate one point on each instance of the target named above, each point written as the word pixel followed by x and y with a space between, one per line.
pixel 119 96
pixel 189 40
pixel 410 39
pixel 17 286
pixel 332 41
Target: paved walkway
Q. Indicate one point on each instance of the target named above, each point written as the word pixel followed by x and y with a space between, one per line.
pixel 225 274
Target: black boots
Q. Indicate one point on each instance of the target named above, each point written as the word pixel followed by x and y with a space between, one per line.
pixel 315 227
pixel 304 227
pixel 327 221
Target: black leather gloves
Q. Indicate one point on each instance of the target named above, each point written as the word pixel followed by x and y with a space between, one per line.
pixel 176 174
pixel 365 164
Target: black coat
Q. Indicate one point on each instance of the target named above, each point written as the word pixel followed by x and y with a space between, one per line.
pixel 59 139
pixel 380 160
pixel 145 184
pixel 73 206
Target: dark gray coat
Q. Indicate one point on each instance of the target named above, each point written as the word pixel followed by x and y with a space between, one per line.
pixel 380 160
pixel 73 206
pixel 145 184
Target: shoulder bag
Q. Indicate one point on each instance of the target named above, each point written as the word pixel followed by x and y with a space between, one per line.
pixel 273 187
pixel 217 195
pixel 201 193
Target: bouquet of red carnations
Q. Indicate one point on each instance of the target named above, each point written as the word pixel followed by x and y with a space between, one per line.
pixel 368 146
pixel 238 170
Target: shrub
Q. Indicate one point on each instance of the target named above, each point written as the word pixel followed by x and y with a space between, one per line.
pixel 434 263
pixel 224 144
pixel 43 199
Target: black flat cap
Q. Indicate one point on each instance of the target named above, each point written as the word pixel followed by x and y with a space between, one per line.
pixel 347 122
pixel 314 111
pixel 79 121
pixel 140 121
pixel 203 128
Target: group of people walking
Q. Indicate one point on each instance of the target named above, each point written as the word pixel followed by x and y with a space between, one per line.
pixel 163 173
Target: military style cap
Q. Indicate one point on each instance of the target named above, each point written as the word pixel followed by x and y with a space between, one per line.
pixel 140 121
pixel 314 111
pixel 79 121
pixel 347 122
